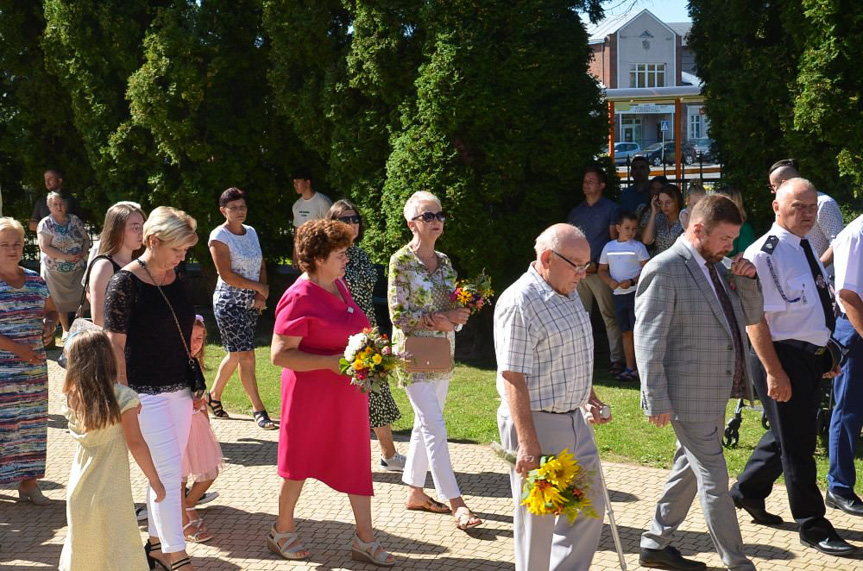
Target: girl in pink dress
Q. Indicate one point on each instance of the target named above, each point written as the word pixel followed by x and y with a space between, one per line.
pixel 324 432
pixel 203 458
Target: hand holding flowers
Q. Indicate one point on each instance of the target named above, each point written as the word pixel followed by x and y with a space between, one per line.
pixel 473 294
pixel 558 487
pixel 369 359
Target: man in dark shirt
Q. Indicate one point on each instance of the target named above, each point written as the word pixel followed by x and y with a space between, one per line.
pixel 596 218
pixel 639 192
pixel 53 183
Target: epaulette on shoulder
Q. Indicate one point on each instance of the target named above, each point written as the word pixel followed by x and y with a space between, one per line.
pixel 770 244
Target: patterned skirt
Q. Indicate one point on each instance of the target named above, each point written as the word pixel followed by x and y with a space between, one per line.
pixel 382 408
pixel 23 424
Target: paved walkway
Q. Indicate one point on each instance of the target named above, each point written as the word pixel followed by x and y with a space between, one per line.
pixel 31 537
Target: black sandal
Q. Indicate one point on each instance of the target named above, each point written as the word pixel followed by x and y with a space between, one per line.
pixel 216 407
pixel 152 561
pixel 263 420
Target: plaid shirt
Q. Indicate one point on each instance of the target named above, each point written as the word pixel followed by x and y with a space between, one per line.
pixel 547 337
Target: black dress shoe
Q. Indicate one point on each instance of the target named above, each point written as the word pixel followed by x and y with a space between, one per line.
pixel 758 513
pixel 831 544
pixel 851 505
pixel 668 558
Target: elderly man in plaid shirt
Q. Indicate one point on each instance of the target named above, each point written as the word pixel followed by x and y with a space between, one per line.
pixel 544 347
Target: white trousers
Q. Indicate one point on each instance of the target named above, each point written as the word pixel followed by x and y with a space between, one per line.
pixel 428 440
pixel 165 420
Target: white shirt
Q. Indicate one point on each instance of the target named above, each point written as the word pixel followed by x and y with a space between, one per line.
pixel 828 224
pixel 624 261
pixel 246 260
pixel 547 337
pixel 791 304
pixel 848 259
pixel 314 208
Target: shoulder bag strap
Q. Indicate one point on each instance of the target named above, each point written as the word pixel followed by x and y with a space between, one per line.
pixel 171 307
pixel 80 311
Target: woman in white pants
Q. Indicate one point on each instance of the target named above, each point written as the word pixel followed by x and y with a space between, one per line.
pixel 148 317
pixel 421 281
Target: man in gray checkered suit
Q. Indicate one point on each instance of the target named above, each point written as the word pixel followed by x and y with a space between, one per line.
pixel 690 318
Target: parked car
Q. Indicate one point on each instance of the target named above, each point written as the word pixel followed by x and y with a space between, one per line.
pixel 623 151
pixel 704 147
pixel 659 153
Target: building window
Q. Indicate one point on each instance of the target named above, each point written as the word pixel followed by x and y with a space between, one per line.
pixel 698 123
pixel 647 75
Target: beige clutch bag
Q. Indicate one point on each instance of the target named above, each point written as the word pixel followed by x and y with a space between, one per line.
pixel 428 355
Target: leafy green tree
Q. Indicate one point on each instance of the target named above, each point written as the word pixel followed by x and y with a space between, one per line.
pixel 504 120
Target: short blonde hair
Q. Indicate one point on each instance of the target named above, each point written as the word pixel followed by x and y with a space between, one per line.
pixel 413 204
pixel 171 226
pixel 8 223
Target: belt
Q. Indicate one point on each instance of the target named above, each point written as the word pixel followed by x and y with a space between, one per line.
pixel 810 348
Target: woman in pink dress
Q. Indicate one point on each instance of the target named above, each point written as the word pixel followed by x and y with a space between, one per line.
pixel 324 429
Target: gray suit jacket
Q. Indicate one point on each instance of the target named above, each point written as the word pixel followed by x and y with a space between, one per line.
pixel 683 345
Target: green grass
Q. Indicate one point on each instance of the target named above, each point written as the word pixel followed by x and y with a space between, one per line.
pixel 471 415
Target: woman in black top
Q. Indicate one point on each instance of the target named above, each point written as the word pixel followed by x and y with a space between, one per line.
pixel 145 327
pixel 121 238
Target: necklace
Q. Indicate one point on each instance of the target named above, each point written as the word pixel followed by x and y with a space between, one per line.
pixel 149 275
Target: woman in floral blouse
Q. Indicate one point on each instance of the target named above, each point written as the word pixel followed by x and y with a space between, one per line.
pixel 420 283
pixel 361 276
pixel 664 227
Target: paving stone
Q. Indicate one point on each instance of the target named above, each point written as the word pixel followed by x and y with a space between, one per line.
pixel 31 537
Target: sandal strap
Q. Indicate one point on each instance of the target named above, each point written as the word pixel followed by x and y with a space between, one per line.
pixel 289 537
pixel 185 561
pixel 263 419
pixel 373 548
pixel 216 407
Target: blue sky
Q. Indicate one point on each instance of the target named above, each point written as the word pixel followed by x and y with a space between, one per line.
pixel 665 10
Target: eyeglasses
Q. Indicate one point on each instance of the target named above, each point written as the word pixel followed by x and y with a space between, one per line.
pixel 576 267
pixel 236 208
pixel 429 216
pixel 355 219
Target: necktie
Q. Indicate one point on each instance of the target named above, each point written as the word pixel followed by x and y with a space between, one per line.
pixel 728 310
pixel 821 286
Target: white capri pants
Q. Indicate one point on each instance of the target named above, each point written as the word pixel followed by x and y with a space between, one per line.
pixel 428 440
pixel 165 420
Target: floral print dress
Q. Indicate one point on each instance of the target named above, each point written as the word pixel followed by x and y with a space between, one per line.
pixel 361 276
pixel 414 292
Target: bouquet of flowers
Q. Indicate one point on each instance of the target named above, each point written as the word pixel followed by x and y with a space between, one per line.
pixel 369 359
pixel 558 487
pixel 473 294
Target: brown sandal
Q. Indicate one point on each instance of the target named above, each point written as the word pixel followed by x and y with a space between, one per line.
pixel 430 505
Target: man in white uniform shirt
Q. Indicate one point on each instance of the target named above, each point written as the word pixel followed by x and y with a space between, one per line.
pixel 847 418
pixel 544 347
pixel 790 343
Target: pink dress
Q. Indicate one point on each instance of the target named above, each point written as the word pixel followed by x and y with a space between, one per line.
pixel 324 429
pixel 203 459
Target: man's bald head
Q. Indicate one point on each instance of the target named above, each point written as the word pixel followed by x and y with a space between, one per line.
pixel 557 237
pixel 796 206
pixel 562 254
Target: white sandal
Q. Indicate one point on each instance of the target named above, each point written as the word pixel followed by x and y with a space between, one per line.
pixel 370 552
pixel 285 550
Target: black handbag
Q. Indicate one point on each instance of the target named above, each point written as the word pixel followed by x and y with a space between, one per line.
pixel 195 379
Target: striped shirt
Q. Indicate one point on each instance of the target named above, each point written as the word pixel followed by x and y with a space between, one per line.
pixel 547 337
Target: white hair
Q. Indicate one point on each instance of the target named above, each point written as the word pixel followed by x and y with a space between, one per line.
pixel 9 223
pixel 54 194
pixel 790 185
pixel 554 236
pixel 412 206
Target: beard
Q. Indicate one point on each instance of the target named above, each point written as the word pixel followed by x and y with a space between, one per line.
pixel 711 256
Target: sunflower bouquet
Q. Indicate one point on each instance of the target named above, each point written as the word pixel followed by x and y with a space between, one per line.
pixel 473 294
pixel 369 359
pixel 560 486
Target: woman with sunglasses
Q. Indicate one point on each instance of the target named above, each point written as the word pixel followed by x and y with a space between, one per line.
pixel 421 281
pixel 240 296
pixel 361 276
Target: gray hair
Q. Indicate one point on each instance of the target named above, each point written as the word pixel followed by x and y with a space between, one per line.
pixel 412 206
pixel 554 236
pixel 791 185
pixel 54 194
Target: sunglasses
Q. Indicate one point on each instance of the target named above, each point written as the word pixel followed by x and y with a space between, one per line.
pixel 355 219
pixel 429 216
pixel 577 267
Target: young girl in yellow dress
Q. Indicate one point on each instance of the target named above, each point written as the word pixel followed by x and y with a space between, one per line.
pixel 103 420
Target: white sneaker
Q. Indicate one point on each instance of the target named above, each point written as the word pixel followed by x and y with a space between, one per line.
pixel 394 464
pixel 141 513
pixel 207 498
